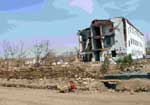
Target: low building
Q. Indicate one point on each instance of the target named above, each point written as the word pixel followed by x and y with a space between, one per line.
pixel 114 37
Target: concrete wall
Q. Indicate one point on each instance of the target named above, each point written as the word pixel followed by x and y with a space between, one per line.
pixel 119 45
pixel 135 41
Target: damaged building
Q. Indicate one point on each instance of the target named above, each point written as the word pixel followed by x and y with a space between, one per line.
pixel 115 37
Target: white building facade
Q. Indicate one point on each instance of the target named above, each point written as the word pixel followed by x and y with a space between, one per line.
pixel 130 40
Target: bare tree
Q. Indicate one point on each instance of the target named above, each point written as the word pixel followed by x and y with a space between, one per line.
pixel 10 52
pixel 48 58
pixel 46 48
pixel 40 49
pixel 5 47
pixel 21 53
pixel 13 49
pixel 148 47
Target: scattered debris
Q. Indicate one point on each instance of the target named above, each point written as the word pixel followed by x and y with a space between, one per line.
pixel 135 85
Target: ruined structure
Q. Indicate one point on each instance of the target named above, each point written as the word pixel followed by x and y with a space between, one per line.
pixel 114 37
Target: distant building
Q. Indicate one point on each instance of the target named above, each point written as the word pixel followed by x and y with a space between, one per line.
pixel 114 37
pixel 30 61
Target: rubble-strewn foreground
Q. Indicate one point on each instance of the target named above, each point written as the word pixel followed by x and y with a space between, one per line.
pixel 87 77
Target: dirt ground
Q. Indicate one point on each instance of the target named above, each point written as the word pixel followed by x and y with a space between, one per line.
pixel 23 96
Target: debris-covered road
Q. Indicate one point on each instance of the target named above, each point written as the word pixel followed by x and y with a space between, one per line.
pixel 23 96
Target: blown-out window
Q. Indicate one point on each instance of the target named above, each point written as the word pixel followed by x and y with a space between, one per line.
pixel 109 41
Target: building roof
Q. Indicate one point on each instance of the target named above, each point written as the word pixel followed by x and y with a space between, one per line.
pixel 130 24
pixel 97 22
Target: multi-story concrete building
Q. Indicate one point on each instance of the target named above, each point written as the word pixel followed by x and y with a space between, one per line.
pixel 115 37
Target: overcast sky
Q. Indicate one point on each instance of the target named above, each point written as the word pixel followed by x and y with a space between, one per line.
pixel 59 20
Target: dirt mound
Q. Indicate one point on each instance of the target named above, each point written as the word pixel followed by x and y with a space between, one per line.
pixel 69 71
pixel 136 85
pixel 82 84
pixel 90 84
pixel 36 84
pixel 96 85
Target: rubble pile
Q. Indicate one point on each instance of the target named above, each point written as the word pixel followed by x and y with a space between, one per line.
pixel 36 84
pixel 69 71
pixel 90 84
pixel 61 84
pixel 131 69
pixel 134 85
pixel 85 75
pixel 136 66
pixel 83 84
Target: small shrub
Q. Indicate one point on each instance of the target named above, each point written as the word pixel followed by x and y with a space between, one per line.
pixel 125 60
pixel 105 65
pixel 119 60
pixel 130 58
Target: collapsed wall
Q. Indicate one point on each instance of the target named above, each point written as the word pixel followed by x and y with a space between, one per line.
pixel 114 37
